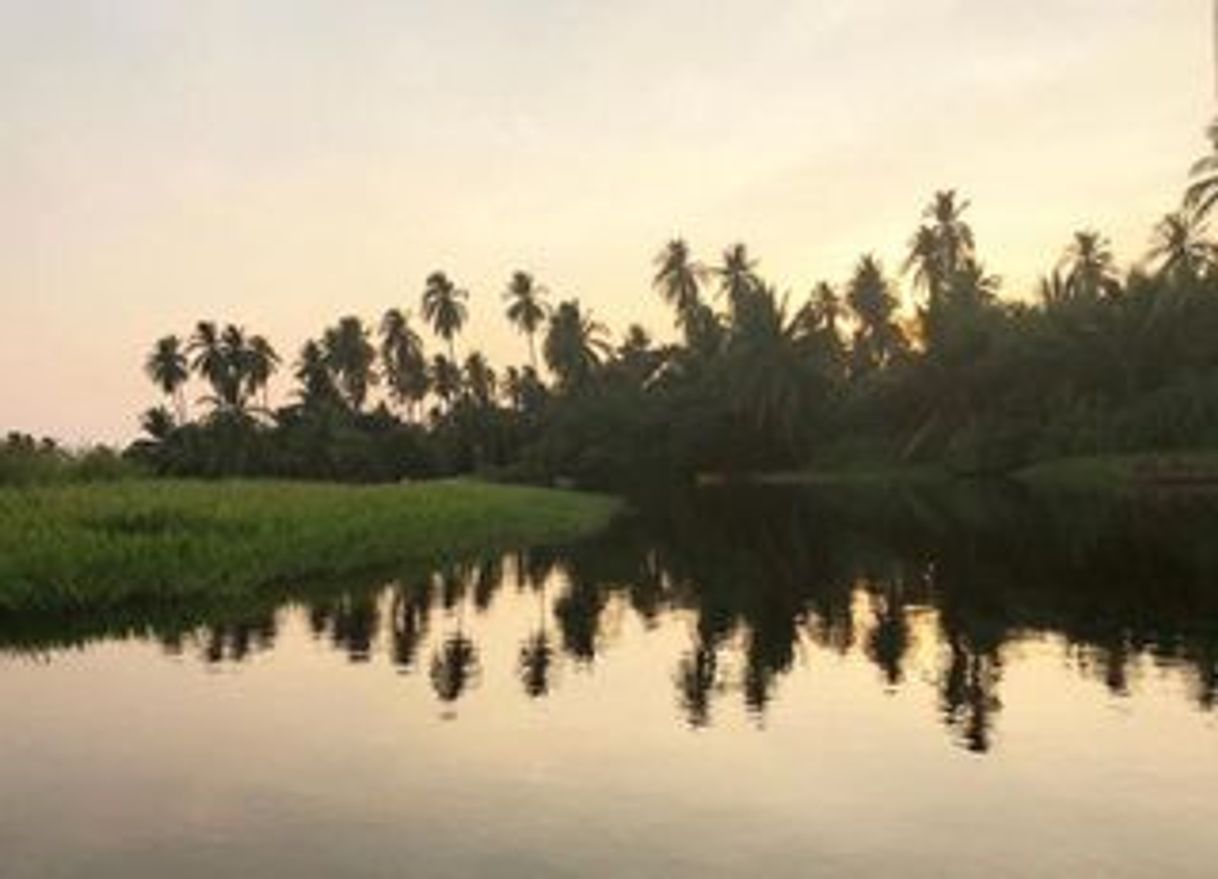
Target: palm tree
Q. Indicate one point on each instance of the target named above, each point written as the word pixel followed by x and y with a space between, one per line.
pixel 444 308
pixel 1202 193
pixel 210 360
pixel 574 344
pixel 262 362
pixel 878 339
pixel 512 388
pixel 445 379
pixel 167 366
pixel 924 261
pixel 527 308
pixel 1090 267
pixel 351 358
pixel 739 278
pixel 157 422
pixel 769 380
pixel 313 373
pixel 826 307
pixel 940 248
pixel 679 278
pixel 1053 290
pixel 954 236
pixel 402 357
pixel 235 351
pixel 1180 247
pixel 480 379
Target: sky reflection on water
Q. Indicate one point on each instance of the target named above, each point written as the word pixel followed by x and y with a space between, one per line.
pixel 806 684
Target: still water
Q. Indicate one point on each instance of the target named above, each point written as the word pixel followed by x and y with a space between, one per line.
pixel 772 681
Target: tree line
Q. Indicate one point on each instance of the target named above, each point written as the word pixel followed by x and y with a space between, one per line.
pixel 1098 360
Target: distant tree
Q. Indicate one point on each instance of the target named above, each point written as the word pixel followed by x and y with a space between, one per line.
pixel 480 380
pixel 403 362
pixel 574 344
pixel 738 278
pixel 445 379
pixel 157 422
pixel 679 278
pixel 1089 266
pixel 262 362
pixel 1180 248
pixel 444 308
pixel 169 369
pixel 1202 192
pixel 317 389
pixel 526 309
pixel 351 358
pixel 209 358
pixel 877 339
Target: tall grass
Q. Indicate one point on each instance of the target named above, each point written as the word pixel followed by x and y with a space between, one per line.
pixel 100 545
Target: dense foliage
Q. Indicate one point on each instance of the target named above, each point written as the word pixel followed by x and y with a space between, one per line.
pixel 947 370
pixel 25 460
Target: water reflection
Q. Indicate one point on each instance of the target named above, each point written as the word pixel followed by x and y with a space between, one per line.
pixel 759 579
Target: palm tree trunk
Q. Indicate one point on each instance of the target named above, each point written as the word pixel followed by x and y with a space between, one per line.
pixel 533 351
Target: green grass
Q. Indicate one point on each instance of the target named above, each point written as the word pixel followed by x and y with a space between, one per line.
pixel 103 545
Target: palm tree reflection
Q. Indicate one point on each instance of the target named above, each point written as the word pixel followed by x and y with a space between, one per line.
pixel 759 576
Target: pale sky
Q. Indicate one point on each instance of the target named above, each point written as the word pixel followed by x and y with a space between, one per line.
pixel 281 163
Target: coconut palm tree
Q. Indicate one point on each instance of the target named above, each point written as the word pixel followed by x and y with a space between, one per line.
pixel 953 234
pixel 209 359
pixel 444 308
pixel 235 350
pixel 738 278
pixel 1179 247
pixel 1202 192
pixel 574 344
pixel 941 247
pixel 351 358
pixel 527 308
pixel 316 381
pixel 480 379
pixel 769 380
pixel 157 422
pixel 402 358
pixel 678 278
pixel 168 367
pixel 445 379
pixel 877 339
pixel 262 361
pixel 1089 265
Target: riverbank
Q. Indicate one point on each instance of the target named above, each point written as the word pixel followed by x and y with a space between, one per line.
pixel 157 541
pixel 1197 470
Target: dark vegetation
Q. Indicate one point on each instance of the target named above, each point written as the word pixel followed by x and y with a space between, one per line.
pixel 1100 362
pixel 946 372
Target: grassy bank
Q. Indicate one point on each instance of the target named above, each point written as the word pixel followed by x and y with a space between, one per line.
pixel 104 545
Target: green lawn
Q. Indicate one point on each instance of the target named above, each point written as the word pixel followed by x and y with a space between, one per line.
pixel 103 545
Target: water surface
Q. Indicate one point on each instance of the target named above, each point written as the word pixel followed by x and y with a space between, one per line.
pixel 775 681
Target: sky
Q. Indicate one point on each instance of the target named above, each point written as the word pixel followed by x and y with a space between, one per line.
pixel 282 163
